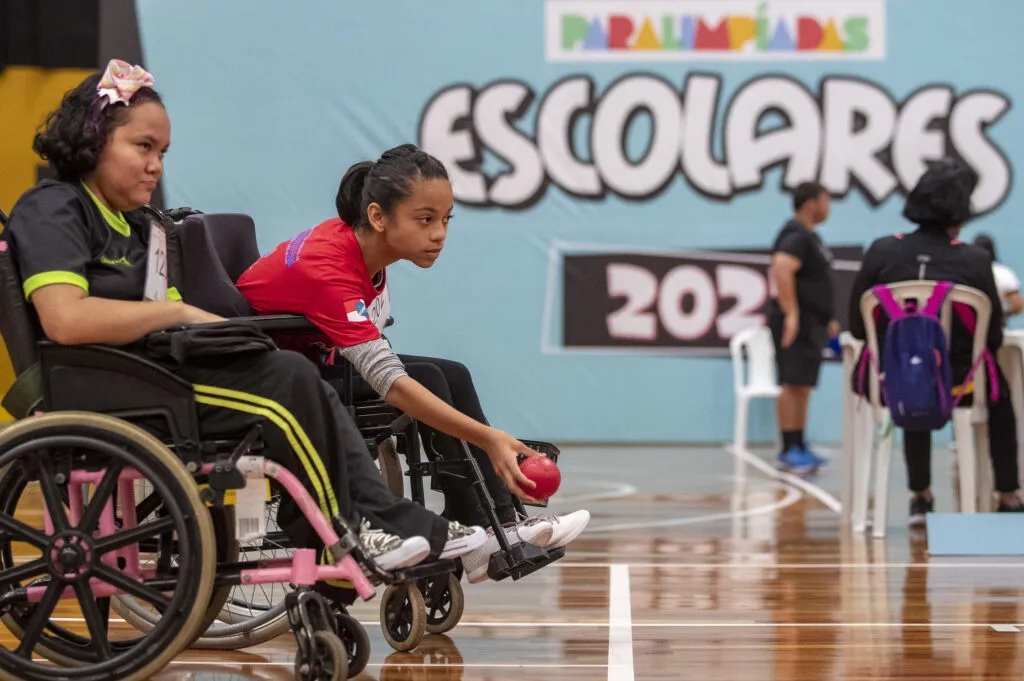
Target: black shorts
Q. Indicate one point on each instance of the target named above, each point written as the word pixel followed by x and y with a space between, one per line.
pixel 800 363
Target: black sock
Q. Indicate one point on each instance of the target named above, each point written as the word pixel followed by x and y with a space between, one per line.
pixel 792 438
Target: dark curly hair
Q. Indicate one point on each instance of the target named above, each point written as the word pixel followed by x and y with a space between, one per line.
pixel 942 197
pixel 75 134
pixel 387 182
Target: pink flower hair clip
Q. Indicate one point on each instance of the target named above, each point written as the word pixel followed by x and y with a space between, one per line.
pixel 121 81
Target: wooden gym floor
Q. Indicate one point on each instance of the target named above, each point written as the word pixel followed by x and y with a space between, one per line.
pixel 694 569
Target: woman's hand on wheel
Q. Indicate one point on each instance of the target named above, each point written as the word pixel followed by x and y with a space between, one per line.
pixel 503 450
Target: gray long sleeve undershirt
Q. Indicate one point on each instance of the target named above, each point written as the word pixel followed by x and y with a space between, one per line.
pixel 377 363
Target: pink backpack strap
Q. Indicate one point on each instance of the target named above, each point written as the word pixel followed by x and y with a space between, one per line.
pixel 938 297
pixel 888 302
pixel 967 316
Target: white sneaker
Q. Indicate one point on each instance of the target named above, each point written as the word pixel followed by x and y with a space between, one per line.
pixel 534 531
pixel 390 551
pixel 566 528
pixel 462 540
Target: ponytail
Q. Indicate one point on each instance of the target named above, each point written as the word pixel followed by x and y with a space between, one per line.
pixel 349 201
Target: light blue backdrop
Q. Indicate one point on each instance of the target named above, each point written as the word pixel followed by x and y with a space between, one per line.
pixel 270 103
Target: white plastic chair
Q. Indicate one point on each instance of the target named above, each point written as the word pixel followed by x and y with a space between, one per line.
pixel 858 435
pixel 970 424
pixel 753 364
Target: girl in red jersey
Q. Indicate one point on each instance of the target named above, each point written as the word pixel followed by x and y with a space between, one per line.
pixel 335 275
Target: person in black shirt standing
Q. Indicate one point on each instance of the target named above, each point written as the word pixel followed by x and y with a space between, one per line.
pixel 939 204
pixel 801 318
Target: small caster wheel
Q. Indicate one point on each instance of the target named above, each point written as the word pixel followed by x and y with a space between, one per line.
pixel 356 642
pixel 403 616
pixel 444 604
pixel 329 661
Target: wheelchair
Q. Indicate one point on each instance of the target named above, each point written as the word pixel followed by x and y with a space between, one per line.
pixel 94 509
pixel 226 244
pixel 222 247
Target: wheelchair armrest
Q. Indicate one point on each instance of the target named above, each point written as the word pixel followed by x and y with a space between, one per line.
pixel 104 379
pixel 282 323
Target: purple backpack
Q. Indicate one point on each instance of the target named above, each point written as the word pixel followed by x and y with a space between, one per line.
pixel 917 383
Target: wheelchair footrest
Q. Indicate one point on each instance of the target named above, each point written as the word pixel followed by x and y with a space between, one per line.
pixel 520 560
pixel 418 572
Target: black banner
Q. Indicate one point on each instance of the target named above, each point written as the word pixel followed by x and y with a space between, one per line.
pixel 691 301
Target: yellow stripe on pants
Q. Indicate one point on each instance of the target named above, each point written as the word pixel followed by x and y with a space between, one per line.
pixel 296 436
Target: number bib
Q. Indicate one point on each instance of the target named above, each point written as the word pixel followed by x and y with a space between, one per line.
pixel 156 263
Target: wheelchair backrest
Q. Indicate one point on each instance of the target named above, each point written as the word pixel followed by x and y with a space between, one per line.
pixel 18 324
pixel 234 238
pixel 205 281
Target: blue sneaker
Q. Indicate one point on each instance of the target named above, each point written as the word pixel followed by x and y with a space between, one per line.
pixel 819 461
pixel 796 460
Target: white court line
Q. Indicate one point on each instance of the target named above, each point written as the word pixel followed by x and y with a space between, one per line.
pixel 747 624
pixel 792 496
pixel 620 625
pixel 794 566
pixel 796 481
pixel 782 566
pixel 290 663
pixel 617 491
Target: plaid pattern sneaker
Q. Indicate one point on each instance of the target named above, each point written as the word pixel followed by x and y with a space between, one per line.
pixel 462 540
pixel 390 551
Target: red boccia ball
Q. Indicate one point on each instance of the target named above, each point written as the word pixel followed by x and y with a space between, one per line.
pixel 544 472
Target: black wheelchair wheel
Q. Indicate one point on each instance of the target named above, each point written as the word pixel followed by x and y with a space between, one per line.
pixel 47 456
pixel 144 619
pixel 403 618
pixel 357 644
pixel 329 662
pixel 444 601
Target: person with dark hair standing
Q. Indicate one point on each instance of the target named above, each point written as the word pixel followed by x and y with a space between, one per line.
pixel 84 247
pixel 334 274
pixel 939 205
pixel 1007 281
pixel 801 318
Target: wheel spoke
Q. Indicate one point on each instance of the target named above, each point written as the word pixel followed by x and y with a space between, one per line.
pixel 96 620
pixel 16 575
pixel 103 492
pixel 40 617
pixel 147 506
pixel 54 503
pixel 21 532
pixel 131 586
pixel 133 535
